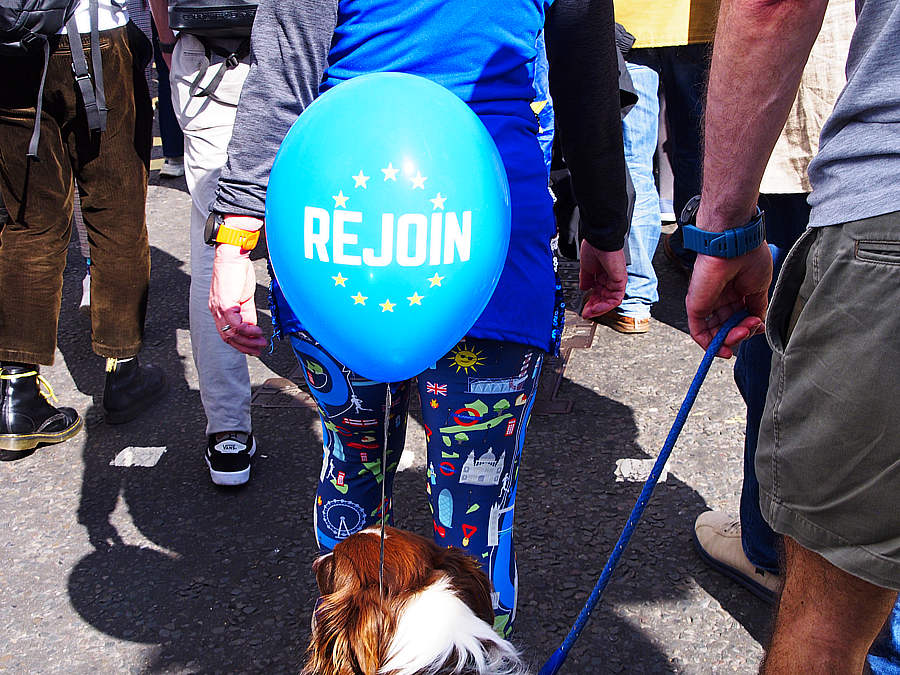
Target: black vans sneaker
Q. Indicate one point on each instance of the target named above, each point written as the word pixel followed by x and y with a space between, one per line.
pixel 228 456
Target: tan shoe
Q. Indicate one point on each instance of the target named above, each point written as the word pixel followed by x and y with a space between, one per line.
pixel 718 539
pixel 623 324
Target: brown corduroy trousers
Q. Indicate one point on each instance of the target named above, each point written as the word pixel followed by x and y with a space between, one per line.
pixel 111 169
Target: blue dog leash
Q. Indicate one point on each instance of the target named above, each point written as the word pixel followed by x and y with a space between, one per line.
pixel 554 663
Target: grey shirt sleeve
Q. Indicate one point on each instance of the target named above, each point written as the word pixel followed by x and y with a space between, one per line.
pixel 290 44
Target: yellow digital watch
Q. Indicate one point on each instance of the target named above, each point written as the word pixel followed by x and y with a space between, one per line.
pixel 217 232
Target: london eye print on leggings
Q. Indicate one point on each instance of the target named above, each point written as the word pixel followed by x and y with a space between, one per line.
pixel 476 401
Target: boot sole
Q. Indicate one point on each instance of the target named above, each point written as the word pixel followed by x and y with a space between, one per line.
pixel 757 589
pixel 132 412
pixel 22 442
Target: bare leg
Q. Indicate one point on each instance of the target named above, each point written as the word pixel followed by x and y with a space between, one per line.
pixel 827 619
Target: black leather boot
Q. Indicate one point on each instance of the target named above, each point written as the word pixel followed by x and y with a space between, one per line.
pixel 130 389
pixel 26 417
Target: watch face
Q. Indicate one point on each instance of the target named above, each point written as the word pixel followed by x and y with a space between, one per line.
pixel 211 228
pixel 689 213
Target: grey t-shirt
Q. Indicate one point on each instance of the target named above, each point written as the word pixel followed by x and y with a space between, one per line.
pixel 855 175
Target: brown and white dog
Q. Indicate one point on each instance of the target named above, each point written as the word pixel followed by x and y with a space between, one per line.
pixel 435 617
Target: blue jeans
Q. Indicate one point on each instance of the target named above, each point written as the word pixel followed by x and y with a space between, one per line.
pixel 639 130
pixel 884 656
pixel 787 216
pixel 683 71
pixel 169 131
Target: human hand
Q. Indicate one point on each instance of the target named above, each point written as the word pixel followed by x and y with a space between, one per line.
pixel 231 300
pixel 720 287
pixel 168 59
pixel 603 275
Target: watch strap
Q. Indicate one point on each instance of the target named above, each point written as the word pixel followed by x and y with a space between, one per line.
pixel 246 239
pixel 730 243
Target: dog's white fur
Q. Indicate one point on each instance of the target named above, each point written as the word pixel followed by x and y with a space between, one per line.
pixel 433 625
pixel 431 616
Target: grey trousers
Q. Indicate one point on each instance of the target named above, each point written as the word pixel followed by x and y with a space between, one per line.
pixel 207 123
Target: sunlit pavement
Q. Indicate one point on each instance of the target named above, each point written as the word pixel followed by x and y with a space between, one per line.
pixel 117 555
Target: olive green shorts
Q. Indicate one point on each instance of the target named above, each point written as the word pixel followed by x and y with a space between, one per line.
pixel 828 459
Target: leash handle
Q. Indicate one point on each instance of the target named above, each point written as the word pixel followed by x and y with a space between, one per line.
pixel 554 663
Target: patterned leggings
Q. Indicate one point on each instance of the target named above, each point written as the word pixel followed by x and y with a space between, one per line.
pixel 476 401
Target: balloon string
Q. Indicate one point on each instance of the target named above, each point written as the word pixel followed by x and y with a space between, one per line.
pixel 387 421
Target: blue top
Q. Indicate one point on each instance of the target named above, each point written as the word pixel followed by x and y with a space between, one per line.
pixel 484 53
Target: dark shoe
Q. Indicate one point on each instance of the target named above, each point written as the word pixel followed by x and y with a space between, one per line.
pixel 623 324
pixel 26 417
pixel 130 389
pixel 228 456
pixel 674 250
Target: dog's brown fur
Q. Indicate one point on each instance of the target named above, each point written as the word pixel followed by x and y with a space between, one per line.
pixel 354 624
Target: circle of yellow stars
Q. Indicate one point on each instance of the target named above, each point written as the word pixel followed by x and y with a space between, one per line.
pixel 417 182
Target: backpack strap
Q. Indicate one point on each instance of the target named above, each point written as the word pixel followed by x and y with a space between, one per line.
pixel 93 98
pixel 232 61
pixel 97 61
pixel 82 76
pixel 39 108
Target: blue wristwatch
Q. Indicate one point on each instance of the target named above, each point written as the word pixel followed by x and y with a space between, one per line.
pixel 728 244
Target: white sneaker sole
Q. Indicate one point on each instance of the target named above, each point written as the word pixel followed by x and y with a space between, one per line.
pixel 231 478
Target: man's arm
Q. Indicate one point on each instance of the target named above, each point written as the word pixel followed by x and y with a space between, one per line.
pixel 290 43
pixel 760 50
pixel 160 11
pixel 584 83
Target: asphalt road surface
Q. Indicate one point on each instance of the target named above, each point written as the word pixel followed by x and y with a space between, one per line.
pixel 117 554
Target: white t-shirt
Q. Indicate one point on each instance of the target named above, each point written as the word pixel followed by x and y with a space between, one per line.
pixel 112 14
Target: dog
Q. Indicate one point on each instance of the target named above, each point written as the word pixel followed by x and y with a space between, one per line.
pixel 435 616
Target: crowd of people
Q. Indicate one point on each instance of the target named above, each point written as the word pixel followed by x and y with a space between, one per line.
pixel 787 137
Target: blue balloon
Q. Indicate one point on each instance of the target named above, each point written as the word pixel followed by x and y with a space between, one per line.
pixel 387 221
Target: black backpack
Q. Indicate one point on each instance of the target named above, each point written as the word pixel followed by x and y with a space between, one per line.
pixel 207 19
pixel 27 26
pixel 212 18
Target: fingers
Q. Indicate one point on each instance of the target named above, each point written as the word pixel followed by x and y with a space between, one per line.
pixel 601 300
pixel 247 338
pixel 585 278
pixel 704 330
pixel 603 274
pixel 248 311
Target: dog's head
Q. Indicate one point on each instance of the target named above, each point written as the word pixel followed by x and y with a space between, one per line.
pixel 435 615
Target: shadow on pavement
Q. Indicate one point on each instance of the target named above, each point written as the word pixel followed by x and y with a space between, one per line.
pixel 227 584
pixel 218 575
pixel 672 287
pixel 571 513
pixel 220 580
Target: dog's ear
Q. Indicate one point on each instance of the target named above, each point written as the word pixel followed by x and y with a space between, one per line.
pixel 370 630
pixel 323 568
pixel 351 634
pixel 469 581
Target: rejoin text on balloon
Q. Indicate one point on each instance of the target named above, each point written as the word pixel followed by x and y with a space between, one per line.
pixel 435 243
